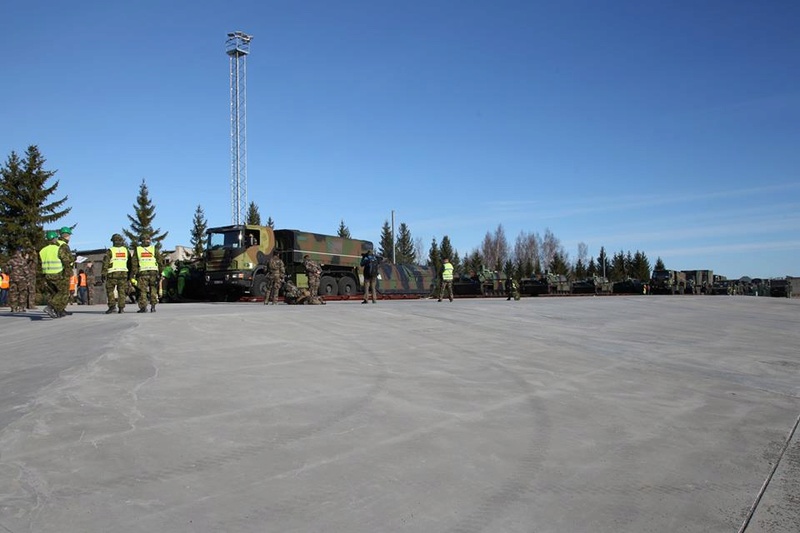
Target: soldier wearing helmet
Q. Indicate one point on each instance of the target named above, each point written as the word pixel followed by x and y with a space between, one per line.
pixel 115 274
pixel 146 265
pixel 56 262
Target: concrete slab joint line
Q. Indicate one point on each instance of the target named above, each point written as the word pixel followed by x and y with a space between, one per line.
pixel 763 488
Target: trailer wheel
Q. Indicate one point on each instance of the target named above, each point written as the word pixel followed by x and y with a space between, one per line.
pixel 259 289
pixel 328 286
pixel 347 286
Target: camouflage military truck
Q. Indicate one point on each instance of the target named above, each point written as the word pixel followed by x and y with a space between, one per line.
pixel 236 260
pixel 780 287
pixel 667 282
pixel 698 281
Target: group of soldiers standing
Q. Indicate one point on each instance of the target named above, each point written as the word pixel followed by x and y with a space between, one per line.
pixel 142 268
pixel 293 295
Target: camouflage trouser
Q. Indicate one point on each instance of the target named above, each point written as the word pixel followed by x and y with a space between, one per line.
pixel 56 291
pixel 448 286
pixel 313 285
pixel 147 282
pixel 273 288
pixel 370 282
pixel 119 281
pixel 17 295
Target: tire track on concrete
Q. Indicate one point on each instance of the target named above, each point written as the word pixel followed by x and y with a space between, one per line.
pixel 239 453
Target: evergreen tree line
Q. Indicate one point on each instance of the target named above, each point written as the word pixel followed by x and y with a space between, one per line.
pixel 26 210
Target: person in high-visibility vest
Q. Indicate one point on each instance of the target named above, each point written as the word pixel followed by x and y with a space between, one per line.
pixel 56 261
pixel 83 288
pixel 447 279
pixel 73 287
pixel 5 283
pixel 146 269
pixel 115 274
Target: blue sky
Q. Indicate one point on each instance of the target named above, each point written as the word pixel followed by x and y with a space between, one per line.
pixel 669 127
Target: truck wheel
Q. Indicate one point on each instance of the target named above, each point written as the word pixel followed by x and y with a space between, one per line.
pixel 259 289
pixel 347 286
pixel 328 286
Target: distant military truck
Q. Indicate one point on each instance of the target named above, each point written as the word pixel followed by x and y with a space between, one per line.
pixel 780 287
pixel 698 281
pixel 236 260
pixel 667 282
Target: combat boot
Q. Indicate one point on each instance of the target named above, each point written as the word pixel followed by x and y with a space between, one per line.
pixel 110 310
pixel 121 310
pixel 153 308
pixel 142 310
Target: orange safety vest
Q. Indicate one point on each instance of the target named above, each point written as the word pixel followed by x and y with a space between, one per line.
pixel 4 279
pixel 73 282
pixel 81 280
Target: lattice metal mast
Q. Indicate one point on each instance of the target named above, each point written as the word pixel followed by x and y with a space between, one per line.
pixel 238 47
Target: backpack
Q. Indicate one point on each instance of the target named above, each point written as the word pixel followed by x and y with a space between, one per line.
pixel 371 267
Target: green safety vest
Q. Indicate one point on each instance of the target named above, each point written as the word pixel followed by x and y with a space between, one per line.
pixel 447 273
pixel 119 259
pixel 147 258
pixel 51 263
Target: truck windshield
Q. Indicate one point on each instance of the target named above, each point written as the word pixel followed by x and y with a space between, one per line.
pixel 224 239
pixel 660 275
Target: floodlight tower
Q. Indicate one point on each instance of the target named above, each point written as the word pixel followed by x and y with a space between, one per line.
pixel 238 47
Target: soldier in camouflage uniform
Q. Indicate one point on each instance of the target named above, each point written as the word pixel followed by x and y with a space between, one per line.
pixel 277 271
pixel 292 295
pixel 65 235
pixel 115 274
pixel 146 263
pixel 20 274
pixel 56 262
pixel 512 289
pixel 313 272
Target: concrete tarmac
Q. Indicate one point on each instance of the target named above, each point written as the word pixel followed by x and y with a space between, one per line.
pixel 583 414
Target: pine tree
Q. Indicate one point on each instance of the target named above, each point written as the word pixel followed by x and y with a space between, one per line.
pixel 198 233
pixel 434 256
pixel 142 221
pixel 24 205
pixel 558 265
pixel 253 216
pixel 659 264
pixel 405 245
pixel 603 266
pixel 386 248
pixel 343 230
pixel 271 223
pixel 446 250
pixel 640 267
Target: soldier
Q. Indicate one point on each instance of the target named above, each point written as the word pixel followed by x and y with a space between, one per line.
pixel 65 234
pixel 146 268
pixel 56 267
pixel 274 279
pixel 89 282
pixel 19 280
pixel 370 265
pixel 313 271
pixel 447 279
pixel 115 274
pixel 512 289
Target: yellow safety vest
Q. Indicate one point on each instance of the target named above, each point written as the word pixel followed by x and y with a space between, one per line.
pixel 147 258
pixel 51 264
pixel 447 273
pixel 119 259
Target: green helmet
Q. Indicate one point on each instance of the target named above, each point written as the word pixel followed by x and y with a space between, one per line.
pixel 50 235
pixel 65 229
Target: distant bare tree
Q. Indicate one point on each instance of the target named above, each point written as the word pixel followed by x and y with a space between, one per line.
pixel 495 249
pixel 526 253
pixel 549 247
